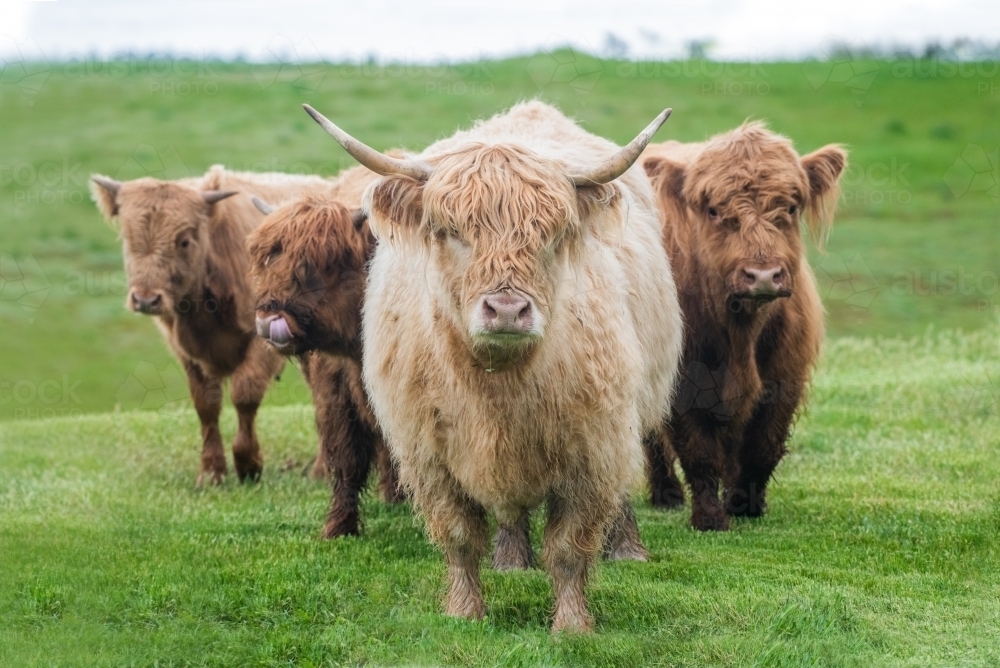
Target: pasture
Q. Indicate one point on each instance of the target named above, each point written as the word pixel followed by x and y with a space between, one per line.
pixel 880 547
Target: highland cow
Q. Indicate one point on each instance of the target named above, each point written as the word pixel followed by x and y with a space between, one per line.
pixel 731 210
pixel 308 265
pixel 186 261
pixel 521 332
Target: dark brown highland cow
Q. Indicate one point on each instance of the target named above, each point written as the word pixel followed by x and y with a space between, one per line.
pixel 753 318
pixel 308 264
pixel 186 261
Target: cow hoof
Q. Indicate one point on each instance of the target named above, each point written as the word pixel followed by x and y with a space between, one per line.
pixel 248 467
pixel 572 623
pixel 753 511
pixel 212 478
pixel 316 469
pixel 346 527
pixel 626 551
pixel 250 474
pixel 710 522
pixel 736 506
pixel 467 608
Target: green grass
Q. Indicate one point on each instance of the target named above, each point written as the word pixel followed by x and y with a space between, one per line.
pixel 910 248
pixel 879 550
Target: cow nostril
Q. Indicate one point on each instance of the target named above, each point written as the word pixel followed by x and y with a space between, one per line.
pixel 156 301
pixel 524 313
pixel 489 311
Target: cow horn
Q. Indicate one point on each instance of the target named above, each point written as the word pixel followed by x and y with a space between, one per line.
pixel 369 157
pixel 262 206
pixel 618 164
pixel 213 196
pixel 109 185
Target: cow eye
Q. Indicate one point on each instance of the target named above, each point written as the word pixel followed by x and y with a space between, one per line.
pixel 713 212
pixel 184 243
pixel 792 210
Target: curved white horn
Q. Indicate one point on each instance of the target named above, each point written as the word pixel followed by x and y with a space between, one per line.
pixel 618 164
pixel 369 157
pixel 262 206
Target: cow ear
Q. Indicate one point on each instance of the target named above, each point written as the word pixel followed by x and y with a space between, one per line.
pixel 104 192
pixel 398 201
pixel 358 217
pixel 668 179
pixel 823 168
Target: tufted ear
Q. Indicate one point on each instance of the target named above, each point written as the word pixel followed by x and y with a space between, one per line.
pixel 823 168
pixel 104 192
pixel 396 203
pixel 358 217
pixel 667 178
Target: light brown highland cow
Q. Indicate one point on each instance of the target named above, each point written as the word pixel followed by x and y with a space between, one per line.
pixel 187 265
pixel 520 335
pixel 732 208
pixel 308 266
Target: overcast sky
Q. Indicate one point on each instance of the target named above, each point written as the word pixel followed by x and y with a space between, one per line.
pixel 427 30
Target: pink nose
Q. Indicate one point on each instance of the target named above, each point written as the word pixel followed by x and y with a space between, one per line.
pixel 147 303
pixel 766 282
pixel 507 313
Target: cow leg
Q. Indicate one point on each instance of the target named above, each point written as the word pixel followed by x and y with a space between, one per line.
pixel 389 484
pixel 249 385
pixel 573 535
pixel 206 394
pixel 458 525
pixel 665 489
pixel 762 449
pixel 703 460
pixel 622 542
pixel 349 448
pixel 512 545
pixel 316 469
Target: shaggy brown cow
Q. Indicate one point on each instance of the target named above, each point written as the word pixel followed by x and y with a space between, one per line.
pixel 753 319
pixel 308 264
pixel 186 261
pixel 520 332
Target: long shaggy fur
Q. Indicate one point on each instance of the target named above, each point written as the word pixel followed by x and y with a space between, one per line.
pixel 562 422
pixel 194 253
pixel 308 265
pixel 737 199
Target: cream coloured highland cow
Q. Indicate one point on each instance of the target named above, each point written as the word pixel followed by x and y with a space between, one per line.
pixel 521 333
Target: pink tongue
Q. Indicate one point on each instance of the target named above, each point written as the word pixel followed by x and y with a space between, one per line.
pixel 280 333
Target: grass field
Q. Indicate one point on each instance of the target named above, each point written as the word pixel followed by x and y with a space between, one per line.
pixel 880 548
pixel 881 545
pixel 917 242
